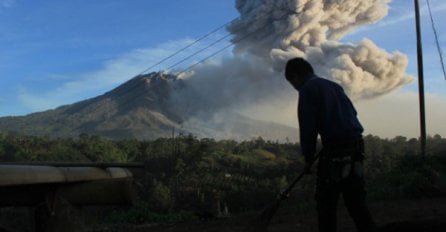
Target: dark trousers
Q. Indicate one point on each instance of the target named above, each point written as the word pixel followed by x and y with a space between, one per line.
pixel 341 173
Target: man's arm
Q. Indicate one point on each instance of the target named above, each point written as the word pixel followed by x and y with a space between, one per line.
pixel 307 113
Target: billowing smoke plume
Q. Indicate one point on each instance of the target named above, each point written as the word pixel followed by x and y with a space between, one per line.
pixel 277 30
pixel 269 32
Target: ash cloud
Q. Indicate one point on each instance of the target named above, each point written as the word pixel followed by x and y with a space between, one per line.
pixel 281 29
pixel 269 32
pixel 232 83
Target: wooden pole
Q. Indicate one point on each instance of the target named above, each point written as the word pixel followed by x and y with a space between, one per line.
pixel 420 81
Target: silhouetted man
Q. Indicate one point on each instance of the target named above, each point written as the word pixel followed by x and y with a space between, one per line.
pixel 325 110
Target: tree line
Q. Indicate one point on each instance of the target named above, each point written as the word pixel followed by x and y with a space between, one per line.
pixel 206 176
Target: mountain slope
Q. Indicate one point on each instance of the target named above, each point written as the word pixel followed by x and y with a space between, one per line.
pixel 141 108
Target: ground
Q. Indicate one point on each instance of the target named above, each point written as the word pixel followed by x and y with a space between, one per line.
pixel 420 215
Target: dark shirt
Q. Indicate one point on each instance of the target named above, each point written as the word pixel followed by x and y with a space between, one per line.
pixel 325 109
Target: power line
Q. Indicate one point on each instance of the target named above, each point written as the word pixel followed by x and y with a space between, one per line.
pixel 436 38
pixel 236 41
pixel 205 48
pixel 204 59
pixel 199 51
pixel 187 46
pixel 210 45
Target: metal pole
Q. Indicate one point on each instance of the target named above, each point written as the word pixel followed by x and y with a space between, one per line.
pixel 173 140
pixel 420 81
pixel 77 164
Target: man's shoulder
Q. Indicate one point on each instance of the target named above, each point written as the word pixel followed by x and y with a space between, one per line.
pixel 318 81
pixel 318 85
pixel 312 86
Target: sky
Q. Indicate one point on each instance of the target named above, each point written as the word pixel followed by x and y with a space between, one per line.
pixel 54 53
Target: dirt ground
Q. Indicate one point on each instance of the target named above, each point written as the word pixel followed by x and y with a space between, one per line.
pixel 420 215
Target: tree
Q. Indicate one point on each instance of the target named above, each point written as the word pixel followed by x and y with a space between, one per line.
pixel 161 199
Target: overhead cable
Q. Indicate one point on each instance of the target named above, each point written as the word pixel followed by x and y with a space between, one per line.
pixel 199 51
pixel 234 42
pixel 436 38
pixel 187 46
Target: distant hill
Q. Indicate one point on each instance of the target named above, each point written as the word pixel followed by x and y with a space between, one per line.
pixel 141 109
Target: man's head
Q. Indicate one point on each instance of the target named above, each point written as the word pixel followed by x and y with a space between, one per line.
pixel 297 70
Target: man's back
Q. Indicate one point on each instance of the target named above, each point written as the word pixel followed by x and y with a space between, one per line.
pixel 325 109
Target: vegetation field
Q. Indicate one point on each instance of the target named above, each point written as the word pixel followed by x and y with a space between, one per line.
pixel 189 179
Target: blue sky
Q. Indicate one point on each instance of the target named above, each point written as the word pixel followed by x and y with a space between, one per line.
pixel 46 45
pixel 56 52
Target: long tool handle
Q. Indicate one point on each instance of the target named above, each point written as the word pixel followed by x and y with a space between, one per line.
pixel 262 221
pixel 287 191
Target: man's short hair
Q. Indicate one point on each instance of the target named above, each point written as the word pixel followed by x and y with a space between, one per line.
pixel 298 66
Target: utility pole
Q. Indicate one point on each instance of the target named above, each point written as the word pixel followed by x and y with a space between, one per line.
pixel 420 81
pixel 173 140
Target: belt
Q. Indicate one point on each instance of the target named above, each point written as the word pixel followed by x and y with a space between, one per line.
pixel 355 143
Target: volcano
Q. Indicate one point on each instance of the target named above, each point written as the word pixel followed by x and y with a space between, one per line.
pixel 141 108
